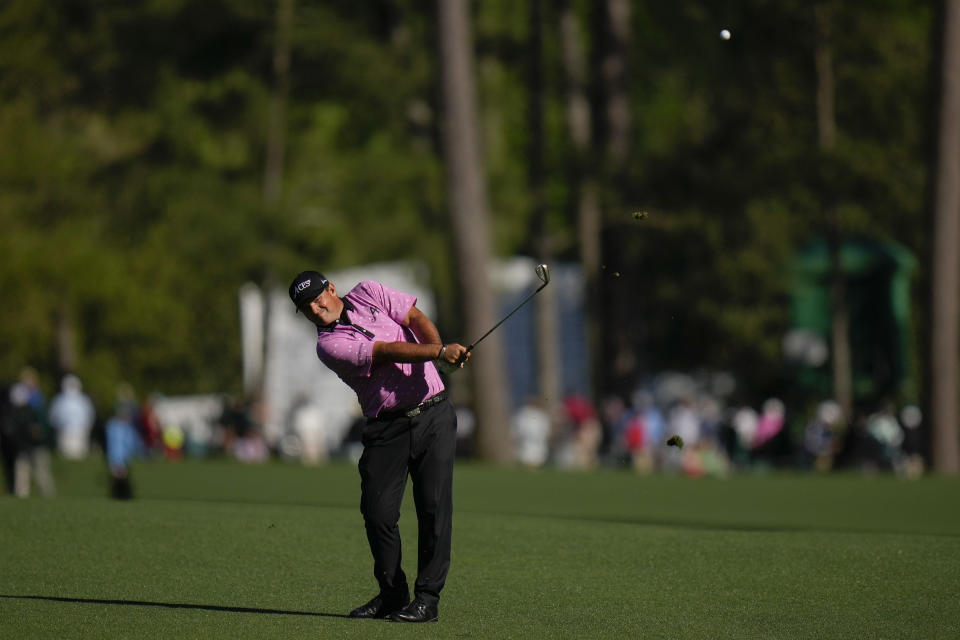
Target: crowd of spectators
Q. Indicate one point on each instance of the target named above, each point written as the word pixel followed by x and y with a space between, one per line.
pixel 719 436
pixel 32 430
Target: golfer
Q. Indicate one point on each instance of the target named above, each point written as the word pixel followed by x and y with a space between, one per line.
pixel 385 349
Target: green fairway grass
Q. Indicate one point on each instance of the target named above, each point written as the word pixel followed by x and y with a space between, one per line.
pixel 215 549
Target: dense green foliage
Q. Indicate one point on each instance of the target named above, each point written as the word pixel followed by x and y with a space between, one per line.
pixel 132 170
pixel 220 550
pixel 135 133
pixel 726 160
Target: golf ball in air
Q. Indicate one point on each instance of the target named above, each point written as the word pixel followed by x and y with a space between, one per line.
pixel 725 34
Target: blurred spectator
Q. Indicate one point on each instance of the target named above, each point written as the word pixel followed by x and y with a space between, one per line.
pixel 28 435
pixel 769 423
pixel 309 423
pixel 251 448
pixel 654 424
pixel 910 464
pixel 582 433
pixel 29 378
pixel 242 435
pixel 823 435
pixel 531 434
pixel 173 437
pixel 72 416
pixel 771 443
pixel 122 444
pixel 710 412
pixel 885 435
pixel 685 422
pixel 638 444
pixel 745 422
pixel 616 415
pixel 235 419
pixel 148 423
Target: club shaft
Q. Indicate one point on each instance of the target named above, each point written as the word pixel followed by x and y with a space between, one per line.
pixel 517 308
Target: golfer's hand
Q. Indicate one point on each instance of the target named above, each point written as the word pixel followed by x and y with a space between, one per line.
pixel 454 356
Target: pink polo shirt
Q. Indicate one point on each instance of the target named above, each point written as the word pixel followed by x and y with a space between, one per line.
pixel 348 352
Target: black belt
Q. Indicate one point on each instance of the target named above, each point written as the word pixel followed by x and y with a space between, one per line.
pixel 414 412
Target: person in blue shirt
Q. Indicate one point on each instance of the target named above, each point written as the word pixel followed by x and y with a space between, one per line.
pixel 123 445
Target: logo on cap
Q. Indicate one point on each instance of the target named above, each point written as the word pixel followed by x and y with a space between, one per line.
pixel 307 286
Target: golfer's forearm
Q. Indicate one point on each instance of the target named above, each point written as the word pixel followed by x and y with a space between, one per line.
pixel 404 352
pixel 422 327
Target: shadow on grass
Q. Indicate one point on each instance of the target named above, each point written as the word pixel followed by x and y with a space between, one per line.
pixel 178 605
pixel 742 527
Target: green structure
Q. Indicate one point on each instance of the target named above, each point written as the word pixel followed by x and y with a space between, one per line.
pixel 877 276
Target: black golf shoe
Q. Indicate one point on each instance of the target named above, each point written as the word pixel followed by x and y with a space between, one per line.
pixel 379 607
pixel 416 611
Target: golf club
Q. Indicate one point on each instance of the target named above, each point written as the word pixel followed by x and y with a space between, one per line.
pixel 543 272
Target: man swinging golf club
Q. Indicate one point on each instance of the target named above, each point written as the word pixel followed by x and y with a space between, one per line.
pixel 379 343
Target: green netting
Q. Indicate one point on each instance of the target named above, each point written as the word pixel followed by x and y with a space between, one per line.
pixel 877 277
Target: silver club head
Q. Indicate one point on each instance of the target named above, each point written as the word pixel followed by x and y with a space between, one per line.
pixel 543 272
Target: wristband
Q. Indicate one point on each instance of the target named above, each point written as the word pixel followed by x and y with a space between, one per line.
pixel 442 349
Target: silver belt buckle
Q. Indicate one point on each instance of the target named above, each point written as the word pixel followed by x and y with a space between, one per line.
pixel 413 413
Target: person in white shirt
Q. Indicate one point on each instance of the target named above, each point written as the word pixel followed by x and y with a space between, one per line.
pixel 72 415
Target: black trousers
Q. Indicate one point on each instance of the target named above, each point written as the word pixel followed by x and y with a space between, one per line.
pixel 424 448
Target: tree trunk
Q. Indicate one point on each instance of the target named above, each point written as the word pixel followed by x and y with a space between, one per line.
pixel 66 339
pixel 946 256
pixel 614 73
pixel 617 355
pixel 827 132
pixel 469 210
pixel 277 125
pixel 549 372
pixel 588 212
